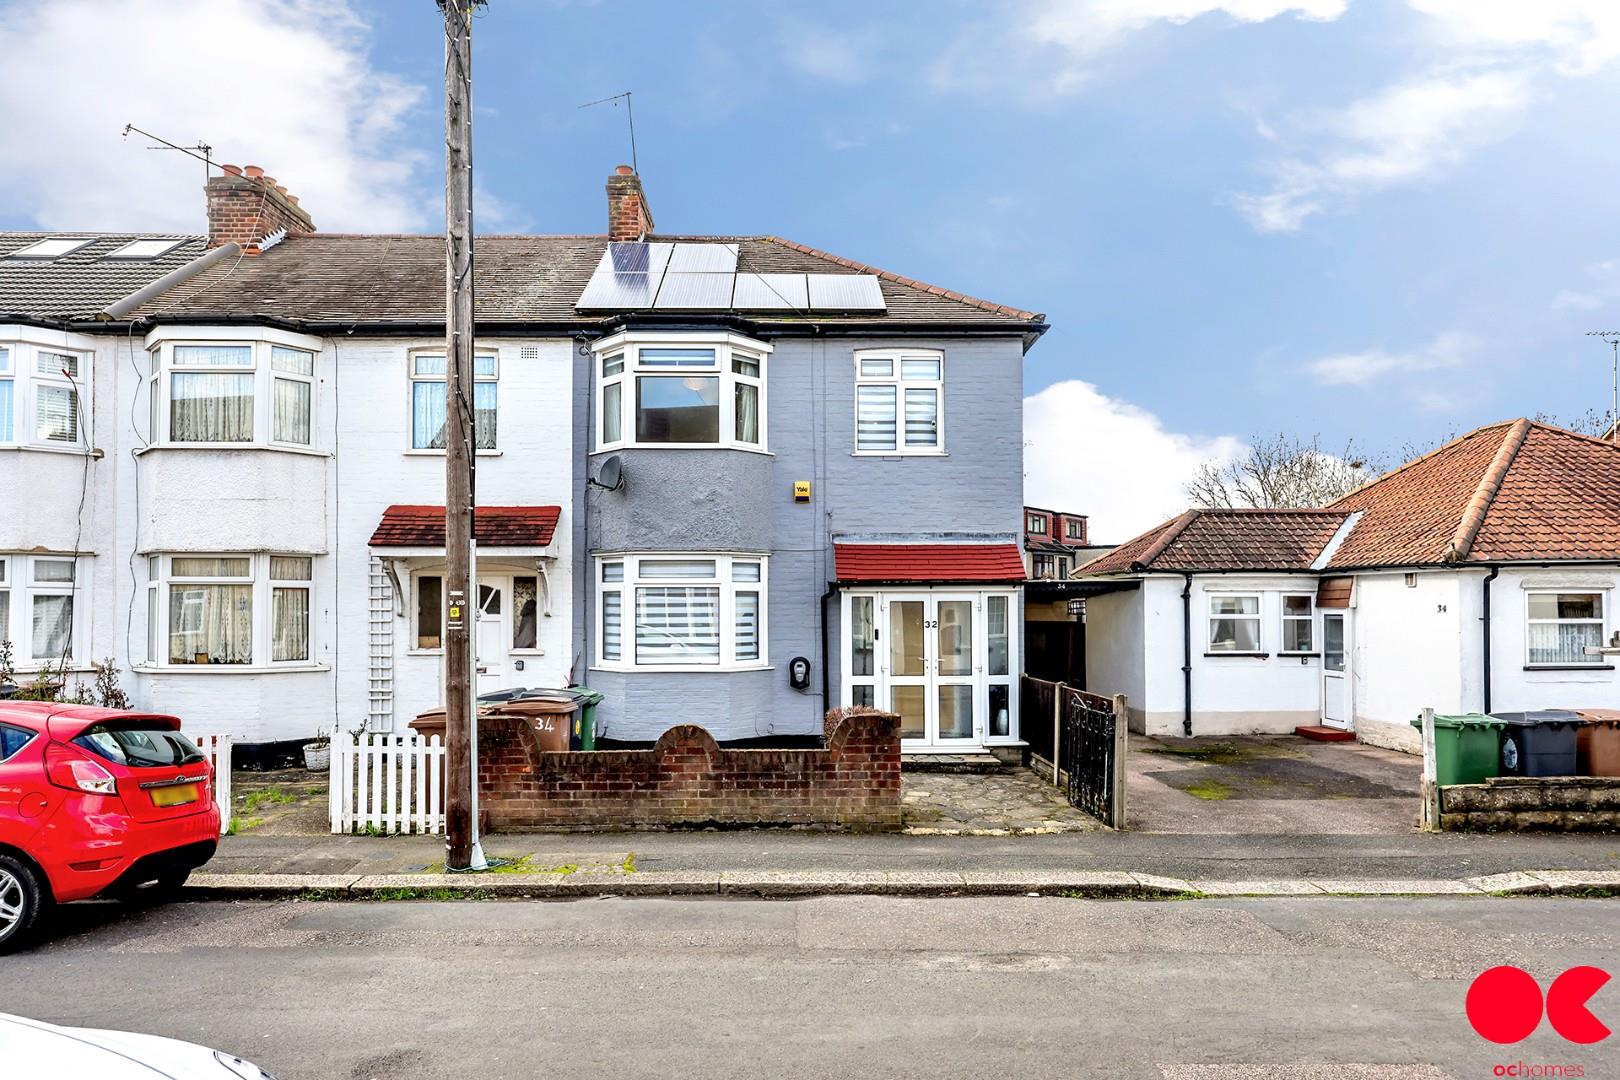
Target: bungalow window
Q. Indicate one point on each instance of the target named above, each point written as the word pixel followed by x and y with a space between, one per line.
pixel 681 391
pixel 232 393
pixel 1297 617
pixel 705 611
pixel 39 624
pixel 1560 626
pixel 229 610
pixel 429 393
pixel 899 402
pixel 1234 624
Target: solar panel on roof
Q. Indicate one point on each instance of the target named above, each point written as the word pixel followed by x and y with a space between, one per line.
pixel 627 278
pixel 698 292
pixel 845 292
pixel 770 292
pixel 703 259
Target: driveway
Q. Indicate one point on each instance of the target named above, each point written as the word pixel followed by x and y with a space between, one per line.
pixel 1269 784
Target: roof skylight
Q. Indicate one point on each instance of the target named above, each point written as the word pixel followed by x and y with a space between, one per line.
pixel 145 249
pixel 52 247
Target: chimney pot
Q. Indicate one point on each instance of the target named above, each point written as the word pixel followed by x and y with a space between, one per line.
pixel 625 170
pixel 254 172
pixel 231 170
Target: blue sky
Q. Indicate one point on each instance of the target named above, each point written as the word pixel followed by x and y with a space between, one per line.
pixel 1366 219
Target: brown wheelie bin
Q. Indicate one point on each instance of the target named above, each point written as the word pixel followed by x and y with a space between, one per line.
pixel 1597 743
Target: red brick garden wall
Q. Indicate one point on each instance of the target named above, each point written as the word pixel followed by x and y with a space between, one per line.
pixel 687 779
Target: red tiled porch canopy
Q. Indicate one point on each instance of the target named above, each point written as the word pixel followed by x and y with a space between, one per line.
pixel 928 562
pixel 493 526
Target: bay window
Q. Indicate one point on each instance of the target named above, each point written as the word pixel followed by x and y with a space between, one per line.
pixel 37 594
pixel 1560 625
pixel 680 390
pixel 686 611
pixel 40 395
pixel 899 402
pixel 229 610
pixel 231 393
pixel 1234 623
pixel 429 388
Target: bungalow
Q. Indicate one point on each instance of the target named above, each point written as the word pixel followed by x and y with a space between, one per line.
pixel 1481 576
pixel 730 480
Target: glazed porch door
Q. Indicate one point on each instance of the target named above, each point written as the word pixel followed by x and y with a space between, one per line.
pixel 933 669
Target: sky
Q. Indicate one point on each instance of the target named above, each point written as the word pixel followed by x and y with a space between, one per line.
pixel 1373 220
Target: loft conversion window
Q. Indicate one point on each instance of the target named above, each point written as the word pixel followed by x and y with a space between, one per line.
pixel 231 394
pixel 680 391
pixel 144 249
pixel 429 390
pixel 899 402
pixel 681 612
pixel 1035 523
pixel 1560 625
pixel 1074 529
pixel 37 608
pixel 40 395
pixel 53 248
pixel 236 610
pixel 1234 624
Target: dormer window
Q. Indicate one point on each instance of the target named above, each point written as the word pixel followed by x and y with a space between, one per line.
pixel 680 391
pixel 1035 523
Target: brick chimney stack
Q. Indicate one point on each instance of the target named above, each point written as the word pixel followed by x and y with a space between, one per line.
pixel 245 206
pixel 628 215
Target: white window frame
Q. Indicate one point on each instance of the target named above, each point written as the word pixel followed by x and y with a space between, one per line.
pixel 729 350
pixel 1258 618
pixel 867 376
pixel 19 580
pixel 485 376
pixel 1035 523
pixel 261 344
pixel 161 579
pixel 724 579
pixel 1601 622
pixel 20 368
pixel 1309 619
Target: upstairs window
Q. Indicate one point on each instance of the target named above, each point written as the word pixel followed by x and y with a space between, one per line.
pixel 429 392
pixel 680 390
pixel 232 394
pixel 1074 529
pixel 1035 523
pixel 899 402
pixel 41 403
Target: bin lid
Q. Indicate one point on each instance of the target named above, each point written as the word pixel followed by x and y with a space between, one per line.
pixel 1457 720
pixel 535 706
pixel 1533 717
pixel 1598 716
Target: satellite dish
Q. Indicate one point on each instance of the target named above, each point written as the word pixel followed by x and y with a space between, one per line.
pixel 611 474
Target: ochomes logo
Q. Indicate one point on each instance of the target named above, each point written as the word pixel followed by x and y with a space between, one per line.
pixel 1505 1006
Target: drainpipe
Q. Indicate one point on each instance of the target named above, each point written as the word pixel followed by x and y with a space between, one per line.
pixel 1186 657
pixel 826 658
pixel 1485 638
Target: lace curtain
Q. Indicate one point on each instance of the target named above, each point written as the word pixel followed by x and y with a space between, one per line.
pixel 208 406
pixel 52 627
pixel 210 624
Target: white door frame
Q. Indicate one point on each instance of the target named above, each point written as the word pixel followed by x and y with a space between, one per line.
pixel 877 686
pixel 1338 695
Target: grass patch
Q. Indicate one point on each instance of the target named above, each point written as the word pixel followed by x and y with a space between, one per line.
pixel 1209 790
pixel 265 797
pixel 242 825
pixel 521 864
pixel 629 864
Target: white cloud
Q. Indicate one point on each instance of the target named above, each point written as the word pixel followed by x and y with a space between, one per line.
pixel 834 55
pixel 1404 133
pixel 1138 482
pixel 1357 369
pixel 1602 292
pixel 285 84
pixel 1583 35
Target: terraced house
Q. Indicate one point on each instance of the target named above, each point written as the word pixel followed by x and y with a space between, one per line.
pixel 724 480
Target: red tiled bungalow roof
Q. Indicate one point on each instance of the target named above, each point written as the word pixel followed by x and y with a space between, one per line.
pixel 927 562
pixel 493 526
pixel 1222 539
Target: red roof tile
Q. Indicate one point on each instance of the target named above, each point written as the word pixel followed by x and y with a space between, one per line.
pixel 494 526
pixel 928 562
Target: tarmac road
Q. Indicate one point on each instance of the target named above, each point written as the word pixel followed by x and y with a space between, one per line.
pixel 835 986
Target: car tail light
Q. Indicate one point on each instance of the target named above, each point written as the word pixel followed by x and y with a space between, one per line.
pixel 69 769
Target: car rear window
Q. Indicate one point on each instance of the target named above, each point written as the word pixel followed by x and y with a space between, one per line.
pixel 141 745
pixel 13 739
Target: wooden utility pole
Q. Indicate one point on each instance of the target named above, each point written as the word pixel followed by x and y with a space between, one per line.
pixel 459 437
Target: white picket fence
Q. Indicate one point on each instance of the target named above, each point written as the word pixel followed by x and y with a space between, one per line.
pixel 217 749
pixel 391 783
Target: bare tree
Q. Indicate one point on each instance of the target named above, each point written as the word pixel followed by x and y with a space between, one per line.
pixel 1281 471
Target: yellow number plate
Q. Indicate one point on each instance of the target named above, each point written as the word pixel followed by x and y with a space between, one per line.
pixel 178 795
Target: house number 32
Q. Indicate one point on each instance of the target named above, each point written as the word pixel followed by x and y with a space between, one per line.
pixel 931 624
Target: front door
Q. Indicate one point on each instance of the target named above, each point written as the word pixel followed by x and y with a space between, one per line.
pixel 1334 698
pixel 493 662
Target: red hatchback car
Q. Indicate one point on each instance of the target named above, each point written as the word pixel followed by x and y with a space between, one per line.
pixel 96 802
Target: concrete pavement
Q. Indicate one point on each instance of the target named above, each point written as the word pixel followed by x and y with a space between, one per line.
pixel 849 986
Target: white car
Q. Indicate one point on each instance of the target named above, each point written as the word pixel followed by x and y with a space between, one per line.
pixel 33 1049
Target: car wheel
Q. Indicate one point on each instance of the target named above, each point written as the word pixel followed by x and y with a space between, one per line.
pixel 22 899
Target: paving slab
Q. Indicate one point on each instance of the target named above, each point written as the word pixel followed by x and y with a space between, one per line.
pixel 1409 887
pixel 1516 881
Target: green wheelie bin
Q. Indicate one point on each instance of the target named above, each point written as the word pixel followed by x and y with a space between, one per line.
pixel 1466 747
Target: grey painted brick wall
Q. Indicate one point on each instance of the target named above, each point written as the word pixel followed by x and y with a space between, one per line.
pixel 708 500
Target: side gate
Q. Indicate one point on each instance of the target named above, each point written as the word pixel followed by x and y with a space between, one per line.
pixel 1082 738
